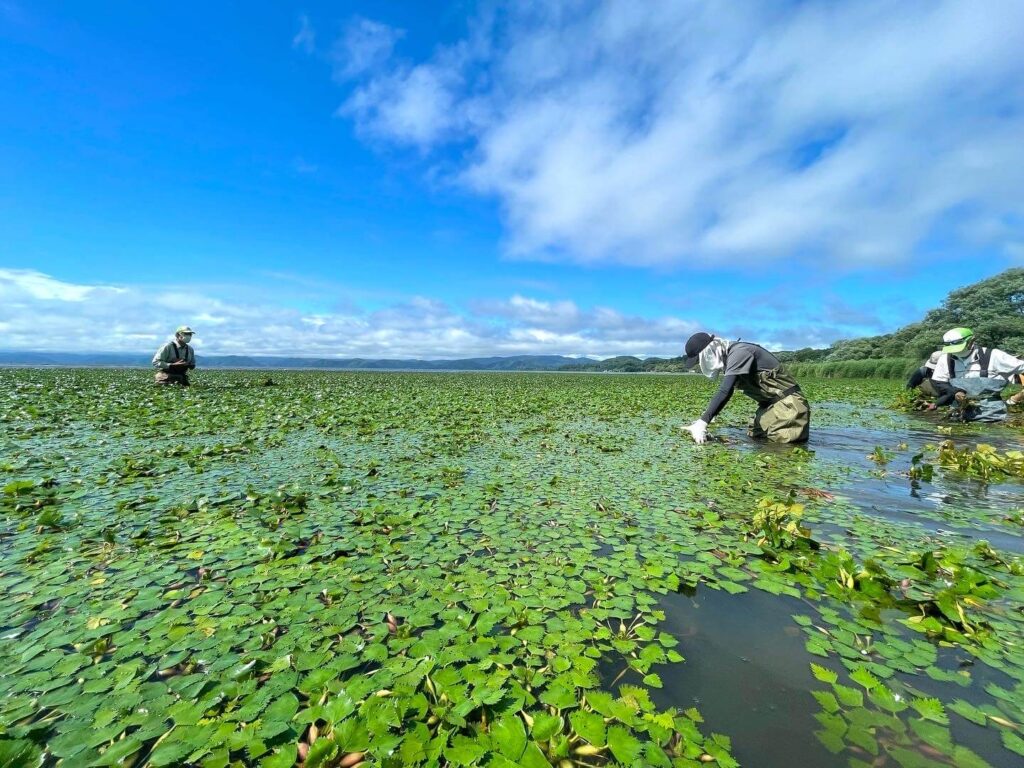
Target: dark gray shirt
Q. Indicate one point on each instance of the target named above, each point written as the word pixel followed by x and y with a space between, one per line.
pixel 741 359
pixel 744 357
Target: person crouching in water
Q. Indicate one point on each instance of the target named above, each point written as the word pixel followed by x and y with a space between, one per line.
pixel 783 413
pixel 175 359
pixel 921 378
pixel 972 377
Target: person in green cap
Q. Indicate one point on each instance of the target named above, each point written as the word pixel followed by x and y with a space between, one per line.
pixel 971 377
pixel 175 359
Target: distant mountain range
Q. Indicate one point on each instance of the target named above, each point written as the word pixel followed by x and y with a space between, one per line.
pixel 994 308
pixel 513 363
pixel 629 364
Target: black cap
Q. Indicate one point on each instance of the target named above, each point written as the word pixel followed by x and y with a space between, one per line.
pixel 694 346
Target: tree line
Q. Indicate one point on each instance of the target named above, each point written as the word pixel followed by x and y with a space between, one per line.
pixel 992 308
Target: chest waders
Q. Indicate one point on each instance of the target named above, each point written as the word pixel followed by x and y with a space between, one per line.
pixel 783 413
pixel 982 393
pixel 165 377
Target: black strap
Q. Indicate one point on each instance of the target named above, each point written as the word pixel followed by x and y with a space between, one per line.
pixel 983 360
pixel 795 389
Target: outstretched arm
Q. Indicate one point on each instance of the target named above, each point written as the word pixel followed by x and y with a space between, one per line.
pixel 699 428
pixel 721 398
pixel 947 392
pixel 1005 364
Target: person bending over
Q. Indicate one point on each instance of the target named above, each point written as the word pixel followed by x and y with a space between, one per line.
pixel 971 377
pixel 783 413
pixel 922 377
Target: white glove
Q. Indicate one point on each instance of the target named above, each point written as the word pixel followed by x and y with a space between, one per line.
pixel 699 431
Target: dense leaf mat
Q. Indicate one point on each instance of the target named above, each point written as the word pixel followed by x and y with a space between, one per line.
pixel 459 569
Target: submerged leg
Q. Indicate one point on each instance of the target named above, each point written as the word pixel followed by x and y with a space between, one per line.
pixel 787 421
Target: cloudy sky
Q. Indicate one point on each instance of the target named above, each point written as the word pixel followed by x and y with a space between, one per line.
pixel 466 178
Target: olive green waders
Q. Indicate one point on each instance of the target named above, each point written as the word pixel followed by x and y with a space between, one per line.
pixel 166 377
pixel 783 414
pixel 927 388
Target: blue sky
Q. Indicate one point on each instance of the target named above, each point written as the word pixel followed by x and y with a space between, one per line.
pixel 449 179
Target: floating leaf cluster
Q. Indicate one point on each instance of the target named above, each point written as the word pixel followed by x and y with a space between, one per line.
pixel 389 569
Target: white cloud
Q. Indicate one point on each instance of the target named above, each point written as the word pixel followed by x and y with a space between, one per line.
pixel 305 38
pixel 415 105
pixel 364 46
pixel 598 331
pixel 671 131
pixel 43 288
pixel 41 312
pixel 551 314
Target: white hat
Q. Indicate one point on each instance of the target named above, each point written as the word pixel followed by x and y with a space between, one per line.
pixel 956 340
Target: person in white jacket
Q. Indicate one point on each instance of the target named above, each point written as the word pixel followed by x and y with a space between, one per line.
pixel 973 376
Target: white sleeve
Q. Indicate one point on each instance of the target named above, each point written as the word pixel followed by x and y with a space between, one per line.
pixel 1004 364
pixel 942 369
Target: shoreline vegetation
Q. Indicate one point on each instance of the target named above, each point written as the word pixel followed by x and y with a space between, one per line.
pixel 898 368
pixel 993 308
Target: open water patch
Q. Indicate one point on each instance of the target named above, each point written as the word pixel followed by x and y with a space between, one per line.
pixel 747 672
pixel 871 468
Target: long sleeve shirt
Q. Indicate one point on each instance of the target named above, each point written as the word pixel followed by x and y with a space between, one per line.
pixel 925 372
pixel 921 374
pixel 742 359
pixel 1000 364
pixel 171 352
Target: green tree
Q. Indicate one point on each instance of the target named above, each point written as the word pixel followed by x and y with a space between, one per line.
pixel 992 308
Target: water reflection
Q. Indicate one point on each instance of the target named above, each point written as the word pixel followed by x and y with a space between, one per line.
pixel 949 505
pixel 746 670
